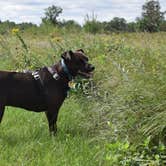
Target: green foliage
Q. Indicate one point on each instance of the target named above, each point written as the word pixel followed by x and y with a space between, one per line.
pixel 91 24
pixel 132 27
pixel 116 118
pixel 70 25
pixel 6 26
pixel 117 25
pixel 163 26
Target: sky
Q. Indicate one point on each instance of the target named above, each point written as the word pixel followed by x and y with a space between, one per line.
pixel 33 10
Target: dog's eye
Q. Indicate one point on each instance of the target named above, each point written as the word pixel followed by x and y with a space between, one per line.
pixel 82 61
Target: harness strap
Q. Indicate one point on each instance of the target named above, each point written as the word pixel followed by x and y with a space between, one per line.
pixel 39 81
pixel 37 76
pixel 55 74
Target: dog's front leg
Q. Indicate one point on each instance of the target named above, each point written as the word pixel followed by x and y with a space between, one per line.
pixel 2 109
pixel 52 118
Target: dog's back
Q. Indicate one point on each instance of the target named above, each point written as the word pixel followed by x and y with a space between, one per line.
pixel 19 90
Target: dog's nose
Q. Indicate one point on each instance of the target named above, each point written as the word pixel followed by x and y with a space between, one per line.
pixel 92 67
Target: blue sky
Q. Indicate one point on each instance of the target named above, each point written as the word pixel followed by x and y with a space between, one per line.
pixel 33 10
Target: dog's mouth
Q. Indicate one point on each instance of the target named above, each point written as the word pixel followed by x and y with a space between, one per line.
pixel 85 74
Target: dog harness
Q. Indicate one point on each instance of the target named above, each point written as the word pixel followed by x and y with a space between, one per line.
pixel 39 82
pixel 53 72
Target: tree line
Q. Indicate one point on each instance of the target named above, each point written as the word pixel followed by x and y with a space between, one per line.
pixel 152 20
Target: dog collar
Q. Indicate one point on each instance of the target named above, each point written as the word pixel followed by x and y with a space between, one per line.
pixel 66 70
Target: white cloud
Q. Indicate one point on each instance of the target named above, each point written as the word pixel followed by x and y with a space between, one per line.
pixel 33 10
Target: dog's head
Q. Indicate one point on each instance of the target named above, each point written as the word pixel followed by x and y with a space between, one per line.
pixel 77 63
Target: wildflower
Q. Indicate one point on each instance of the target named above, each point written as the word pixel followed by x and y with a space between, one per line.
pixel 57 39
pixel 15 31
pixel 72 84
pixel 108 123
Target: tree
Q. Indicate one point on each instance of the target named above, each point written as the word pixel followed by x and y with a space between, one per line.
pixel 118 24
pixel 131 27
pixel 163 26
pixel 152 17
pixel 51 14
pixel 115 25
pixel 70 24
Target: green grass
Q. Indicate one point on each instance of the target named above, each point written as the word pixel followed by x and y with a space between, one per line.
pixel 24 139
pixel 115 119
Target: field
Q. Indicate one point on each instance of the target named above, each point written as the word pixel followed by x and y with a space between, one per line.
pixel 117 118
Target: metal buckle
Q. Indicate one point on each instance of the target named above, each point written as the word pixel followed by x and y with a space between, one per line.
pixel 36 75
pixel 56 76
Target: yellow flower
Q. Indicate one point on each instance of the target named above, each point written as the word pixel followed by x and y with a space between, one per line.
pixel 108 122
pixel 15 31
pixel 72 84
pixel 57 39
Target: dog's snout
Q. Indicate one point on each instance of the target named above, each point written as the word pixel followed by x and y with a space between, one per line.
pixel 91 67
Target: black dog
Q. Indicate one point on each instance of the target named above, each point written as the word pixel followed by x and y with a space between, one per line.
pixel 43 90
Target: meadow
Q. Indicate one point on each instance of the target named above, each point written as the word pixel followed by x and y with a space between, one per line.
pixel 117 118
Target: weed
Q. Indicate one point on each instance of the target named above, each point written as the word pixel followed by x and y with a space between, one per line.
pixel 116 118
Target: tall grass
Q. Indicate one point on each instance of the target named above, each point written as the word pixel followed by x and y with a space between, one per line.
pixel 116 118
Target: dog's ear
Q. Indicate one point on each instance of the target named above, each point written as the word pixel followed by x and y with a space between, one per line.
pixel 67 55
pixel 81 50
